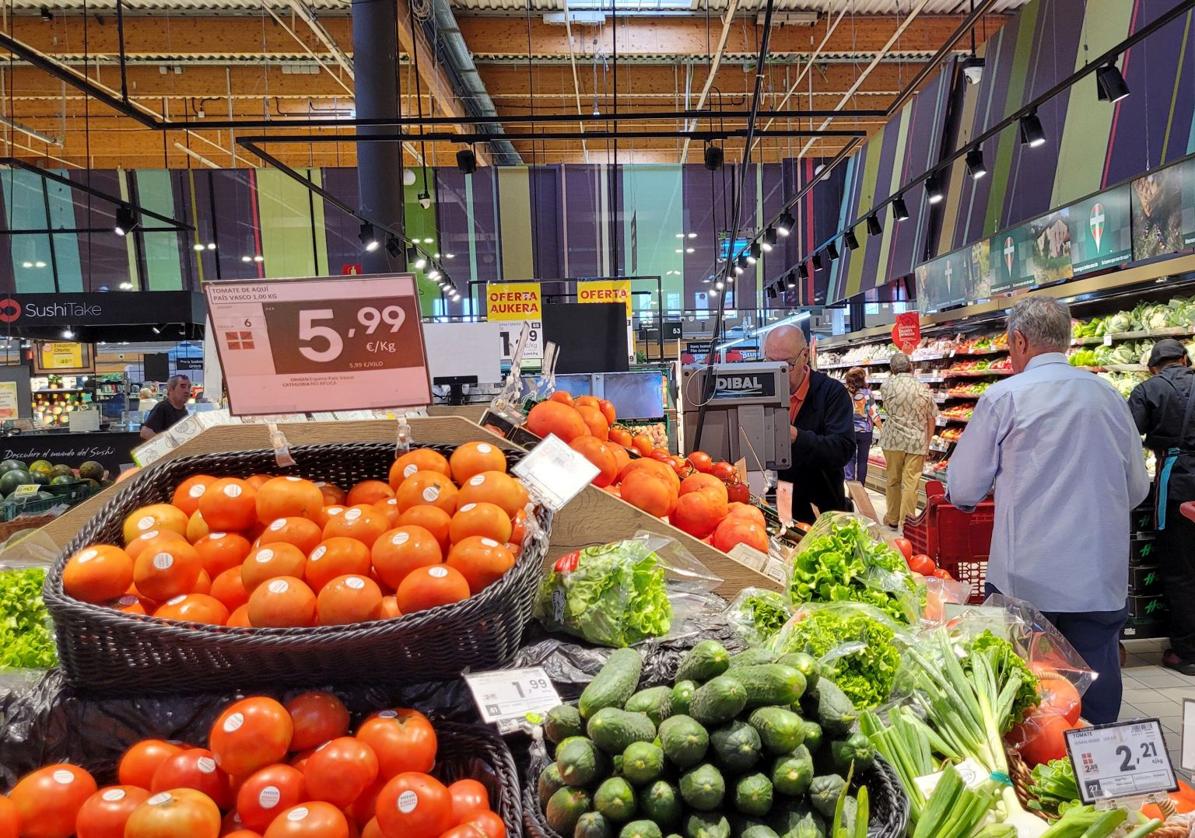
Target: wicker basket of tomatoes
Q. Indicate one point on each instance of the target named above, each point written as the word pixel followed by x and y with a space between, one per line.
pixel 226 572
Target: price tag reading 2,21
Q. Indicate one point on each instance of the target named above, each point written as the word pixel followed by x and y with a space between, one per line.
pixel 295 346
pixel 1116 761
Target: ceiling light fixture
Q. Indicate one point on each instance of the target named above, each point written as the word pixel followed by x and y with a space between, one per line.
pixel 1110 84
pixel 785 225
pixel 933 190
pixel 692 235
pixel 197 247
pixel 68 333
pixel 850 240
pixel 425 200
pixel 753 253
pixel 817 261
pixel 125 220
pixel 126 286
pixel 466 161
pixel 1032 133
pixel 368 238
pixel 975 164
pixel 246 258
pixel 211 245
pixel 257 257
pixel 769 239
pixel 900 211
pixel 713 157
pixel 802 271
pixel 416 259
pixel 393 246
pixel 832 251
pixel 973 69
pixel 874 228
pixel 740 264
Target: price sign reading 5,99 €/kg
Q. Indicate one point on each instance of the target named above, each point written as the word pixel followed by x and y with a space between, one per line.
pixel 293 346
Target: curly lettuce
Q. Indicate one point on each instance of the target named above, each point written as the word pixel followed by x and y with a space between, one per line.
pixel 1004 661
pixel 25 638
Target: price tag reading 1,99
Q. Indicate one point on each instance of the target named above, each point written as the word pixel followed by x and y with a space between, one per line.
pixel 1125 759
pixel 505 696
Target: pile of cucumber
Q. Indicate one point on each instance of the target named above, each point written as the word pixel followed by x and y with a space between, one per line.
pixel 746 745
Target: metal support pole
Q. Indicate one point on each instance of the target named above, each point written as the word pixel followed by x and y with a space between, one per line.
pixel 379 165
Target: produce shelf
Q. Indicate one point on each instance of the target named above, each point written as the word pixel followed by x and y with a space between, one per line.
pixel 974 373
pixel 1176 331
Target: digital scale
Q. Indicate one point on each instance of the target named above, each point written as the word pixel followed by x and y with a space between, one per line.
pixel 747 414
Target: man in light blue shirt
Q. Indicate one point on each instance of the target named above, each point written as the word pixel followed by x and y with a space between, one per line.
pixel 1060 448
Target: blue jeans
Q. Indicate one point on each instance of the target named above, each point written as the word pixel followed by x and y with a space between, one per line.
pixel 858 463
pixel 1096 637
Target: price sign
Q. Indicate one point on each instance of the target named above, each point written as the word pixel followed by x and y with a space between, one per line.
pixel 555 473
pixel 1125 759
pixel 291 346
pixel 506 696
pixel 26 491
pixel 509 335
pixel 1188 751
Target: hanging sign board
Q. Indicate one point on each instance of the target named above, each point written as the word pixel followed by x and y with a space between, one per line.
pixel 513 301
pixel 59 357
pixel 906 331
pixel 605 291
pixel 293 346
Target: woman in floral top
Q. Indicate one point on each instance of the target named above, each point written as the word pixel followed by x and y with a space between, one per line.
pixel 866 421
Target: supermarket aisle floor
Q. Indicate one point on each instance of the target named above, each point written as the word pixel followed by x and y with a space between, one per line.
pixel 1152 691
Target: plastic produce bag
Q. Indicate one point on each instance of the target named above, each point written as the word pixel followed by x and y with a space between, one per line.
pixel 622 593
pixel 940 593
pixel 843 558
pixel 758 614
pixel 26 632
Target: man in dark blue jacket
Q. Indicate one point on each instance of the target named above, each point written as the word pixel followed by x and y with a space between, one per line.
pixel 822 431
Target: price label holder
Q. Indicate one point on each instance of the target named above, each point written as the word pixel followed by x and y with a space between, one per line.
pixel 1108 339
pixel 280 444
pixel 1113 762
pixel 969 771
pixel 554 473
pixel 512 698
pixel 26 491
pixel 1188 751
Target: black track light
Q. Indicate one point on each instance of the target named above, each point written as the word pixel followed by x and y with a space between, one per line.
pixel 393 246
pixel 1032 134
pixel 975 164
pixel 817 261
pixel 769 240
pixel 874 228
pixel 802 271
pixel 753 253
pixel 1110 84
pixel 933 190
pixel 785 225
pixel 789 280
pixel 466 161
pixel 850 240
pixel 368 238
pixel 832 251
pixel 740 264
pixel 415 259
pixel 772 292
pixel 713 157
pixel 125 220
pixel 900 210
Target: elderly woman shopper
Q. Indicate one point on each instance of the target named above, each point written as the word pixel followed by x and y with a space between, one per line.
pixel 866 420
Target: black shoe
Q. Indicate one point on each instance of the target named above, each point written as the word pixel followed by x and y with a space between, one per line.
pixel 1172 661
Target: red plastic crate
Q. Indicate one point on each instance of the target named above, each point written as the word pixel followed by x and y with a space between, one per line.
pixel 957 541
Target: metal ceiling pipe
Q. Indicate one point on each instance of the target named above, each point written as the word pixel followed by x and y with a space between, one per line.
pixel 451 46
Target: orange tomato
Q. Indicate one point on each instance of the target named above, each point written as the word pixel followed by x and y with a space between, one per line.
pixel 494 487
pixel 98 573
pixel 194 608
pixel 704 483
pixel 698 513
pixel 647 492
pixel 429 587
pixel 141 760
pixel 389 608
pixel 240 617
pixel 336 557
pixel 156 516
pixel 414 805
pixel 369 492
pixel 746 510
pixel 403 739
pixel 287 497
pixel 562 396
pixel 403 549
pixel 622 436
pixel 282 602
pixel 333 494
pixel 490 825
pixel 48 800
pixel 104 814
pixel 485 519
pixel 251 734
pixel 432 518
pixel 187 494
pixel 351 598
pixel 643 444
pixel 469 799
pixel 518 528
pixel 340 770
pixel 304 533
pixel 279 559
pixel 221 551
pixel 267 792
pixel 197 528
pixel 134 547
pixel 327 514
pixel 165 568
pixel 482 561
pixel 194 768
pixel 555 418
pixel 229 588
pixel 371 829
pixel 259 480
pixel 229 504
pixel 180 811
pixel 318 717
pixel 416 460
pixel 586 401
pixel 203 583
pixel 427 487
pixel 389 508
pixel 740 530
pixel 473 458
pixel 608 411
pixel 310 820
pixel 127 604
pixel 600 455
pixel 361 522
pixel 595 421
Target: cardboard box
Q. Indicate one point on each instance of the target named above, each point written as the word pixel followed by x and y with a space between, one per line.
pixel 1142 551
pixel 1144 579
pixel 1146 607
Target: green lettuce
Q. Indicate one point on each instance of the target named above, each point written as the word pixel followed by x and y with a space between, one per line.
pixel 1004 661
pixel 25 638
pixel 758 614
pixel 612 595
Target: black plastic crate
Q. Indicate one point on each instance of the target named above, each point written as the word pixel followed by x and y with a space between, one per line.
pixel 1146 607
pixel 1143 551
pixel 1144 579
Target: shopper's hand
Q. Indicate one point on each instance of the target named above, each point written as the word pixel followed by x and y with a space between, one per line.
pixel 792 434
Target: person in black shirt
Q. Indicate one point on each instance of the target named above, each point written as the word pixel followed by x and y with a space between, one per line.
pixel 170 410
pixel 1164 409
pixel 822 427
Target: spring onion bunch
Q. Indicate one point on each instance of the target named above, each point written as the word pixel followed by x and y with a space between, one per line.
pixel 908 745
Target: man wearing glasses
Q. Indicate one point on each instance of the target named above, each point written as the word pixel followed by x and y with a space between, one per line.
pixel 822 428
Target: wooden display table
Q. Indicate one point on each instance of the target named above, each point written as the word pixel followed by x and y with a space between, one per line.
pixel 593 517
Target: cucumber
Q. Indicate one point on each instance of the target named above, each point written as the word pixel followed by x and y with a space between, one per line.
pixel 804 663
pixel 614 684
pixel 757 655
pixel 562 722
pixel 642 762
pixel 703 787
pixel 641 829
pixel 682 694
pixel 758 830
pixel 813 734
pixel 769 683
pixel 656 702
pixel 736 746
pixel 796 820
pixel 661 802
pixel 753 795
pixel 779 729
pixel 718 700
pixel 707 659
pixel 549 781
pixel 579 761
pixel 613 730
pixel 792 773
pixel 615 800
pixel 684 741
pixel 706 825
pixel 836 712
pixel 593 825
pixel 565 808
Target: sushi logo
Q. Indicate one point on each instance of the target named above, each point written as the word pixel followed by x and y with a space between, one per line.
pixel 1096 223
pixel 1009 251
pixel 10 310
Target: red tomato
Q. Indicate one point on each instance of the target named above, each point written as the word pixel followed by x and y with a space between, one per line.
pixel 464 830
pixel 371 829
pixel 267 792
pixel 922 564
pixel 242 833
pixel 1041 737
pixel 403 739
pixel 469 799
pixel 362 809
pixel 1058 695
pixel 103 815
pixel 339 771
pixel 10 822
pixel 701 461
pixel 170 814
pixel 661 454
pixel 251 734
pixel 738 492
pixel 48 800
pixel 941 573
pixel 310 820
pixel 318 717
pixel 489 823
pixel 904 546
pixel 413 805
pixel 723 470
pixel 194 768
pixel 139 762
